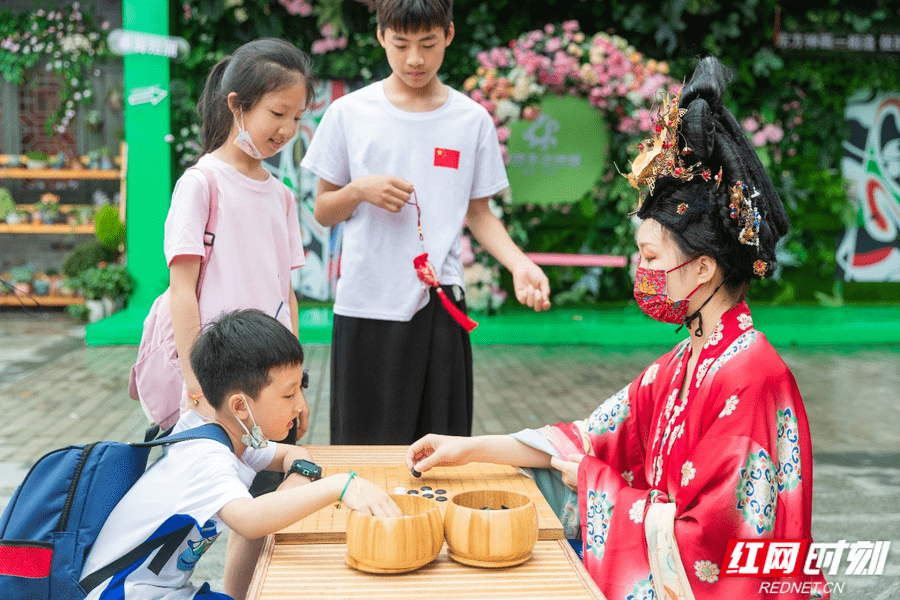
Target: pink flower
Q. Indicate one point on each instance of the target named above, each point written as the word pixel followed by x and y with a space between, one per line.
pixel 759 139
pixel 319 47
pixel 485 60
pixel 749 124
pixel 499 57
pixel 627 125
pixel 773 133
pixel 530 113
pixel 570 26
pixel 553 44
pixel 645 120
pixel 549 29
pixel 503 133
pixel 326 30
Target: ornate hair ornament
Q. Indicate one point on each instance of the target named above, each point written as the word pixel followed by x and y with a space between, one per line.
pixel 744 210
pixel 660 155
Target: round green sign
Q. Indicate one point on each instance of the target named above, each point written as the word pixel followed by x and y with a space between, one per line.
pixel 559 156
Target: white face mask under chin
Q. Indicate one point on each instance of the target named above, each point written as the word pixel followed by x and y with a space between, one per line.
pixel 253 438
pixel 245 142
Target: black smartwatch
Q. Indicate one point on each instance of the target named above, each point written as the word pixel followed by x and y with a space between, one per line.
pixel 307 469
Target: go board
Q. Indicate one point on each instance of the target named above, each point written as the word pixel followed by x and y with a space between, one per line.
pixel 320 571
pixel 385 467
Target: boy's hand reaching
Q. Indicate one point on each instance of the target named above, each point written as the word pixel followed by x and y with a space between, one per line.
pixel 532 286
pixel 384 191
pixel 369 499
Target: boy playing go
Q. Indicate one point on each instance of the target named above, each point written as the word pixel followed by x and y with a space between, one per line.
pixel 250 368
pixel 401 150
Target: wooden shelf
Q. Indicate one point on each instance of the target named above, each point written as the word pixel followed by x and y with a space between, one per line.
pixel 20 173
pixel 60 228
pixel 10 300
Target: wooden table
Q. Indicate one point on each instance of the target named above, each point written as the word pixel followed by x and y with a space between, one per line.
pixel 386 467
pixel 291 571
pixel 308 559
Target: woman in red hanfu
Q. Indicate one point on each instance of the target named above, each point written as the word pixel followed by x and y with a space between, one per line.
pixel 711 442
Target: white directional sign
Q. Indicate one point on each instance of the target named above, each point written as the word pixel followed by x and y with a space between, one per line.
pixel 124 42
pixel 153 94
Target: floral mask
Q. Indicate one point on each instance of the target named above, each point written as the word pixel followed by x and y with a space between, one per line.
pixel 651 296
pixel 245 142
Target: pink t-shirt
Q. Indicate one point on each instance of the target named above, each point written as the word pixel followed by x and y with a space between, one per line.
pixel 258 240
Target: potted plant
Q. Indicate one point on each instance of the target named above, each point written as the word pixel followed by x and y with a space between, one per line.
pixel 49 208
pixel 94 121
pixel 119 284
pixel 17 216
pixel 106 162
pixel 41 285
pixel 7 204
pixel 37 160
pixel 55 279
pixel 21 277
pixel 92 286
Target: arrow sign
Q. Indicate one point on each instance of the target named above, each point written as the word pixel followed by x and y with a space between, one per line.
pixel 153 94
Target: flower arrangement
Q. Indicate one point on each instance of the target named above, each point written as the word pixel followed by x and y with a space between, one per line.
pixel 560 59
pixel 66 39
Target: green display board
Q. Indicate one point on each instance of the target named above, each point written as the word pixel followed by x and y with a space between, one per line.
pixel 146 75
pixel 559 156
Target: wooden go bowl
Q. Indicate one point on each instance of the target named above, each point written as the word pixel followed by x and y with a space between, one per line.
pixel 490 538
pixel 396 544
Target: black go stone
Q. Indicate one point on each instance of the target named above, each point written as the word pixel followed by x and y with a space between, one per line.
pixel 440 491
pixel 441 498
pixel 428 495
pixel 504 507
pixel 413 492
pixel 415 473
pixel 426 488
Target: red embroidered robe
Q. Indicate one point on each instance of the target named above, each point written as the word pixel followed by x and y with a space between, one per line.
pixel 734 457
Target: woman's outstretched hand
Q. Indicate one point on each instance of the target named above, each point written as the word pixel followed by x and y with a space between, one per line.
pixel 439 451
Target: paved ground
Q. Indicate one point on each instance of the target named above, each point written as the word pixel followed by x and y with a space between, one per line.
pixel 56 391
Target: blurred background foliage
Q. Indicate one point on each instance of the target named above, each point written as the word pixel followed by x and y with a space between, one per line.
pixel 801 93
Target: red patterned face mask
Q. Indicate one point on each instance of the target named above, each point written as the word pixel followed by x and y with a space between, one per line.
pixel 651 296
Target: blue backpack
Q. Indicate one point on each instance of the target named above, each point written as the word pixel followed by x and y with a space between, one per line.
pixel 51 523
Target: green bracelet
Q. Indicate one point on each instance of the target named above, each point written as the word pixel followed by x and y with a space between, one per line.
pixel 346 485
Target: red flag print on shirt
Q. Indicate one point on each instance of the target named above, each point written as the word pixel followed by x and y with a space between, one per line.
pixel 446 158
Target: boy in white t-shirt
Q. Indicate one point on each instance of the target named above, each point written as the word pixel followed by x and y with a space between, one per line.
pixel 250 368
pixel 401 366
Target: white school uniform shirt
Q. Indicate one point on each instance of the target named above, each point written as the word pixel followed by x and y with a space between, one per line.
pixel 451 155
pixel 188 485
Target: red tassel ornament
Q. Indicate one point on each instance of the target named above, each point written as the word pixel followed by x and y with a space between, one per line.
pixel 427 275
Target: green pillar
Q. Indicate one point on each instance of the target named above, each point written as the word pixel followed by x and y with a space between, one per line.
pixel 149 175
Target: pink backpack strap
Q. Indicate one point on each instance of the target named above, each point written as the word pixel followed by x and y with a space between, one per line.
pixel 209 234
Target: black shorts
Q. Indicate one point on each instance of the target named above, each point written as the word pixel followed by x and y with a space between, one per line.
pixel 392 382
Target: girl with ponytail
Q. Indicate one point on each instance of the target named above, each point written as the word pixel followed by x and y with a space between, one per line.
pixel 709 448
pixel 250 109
